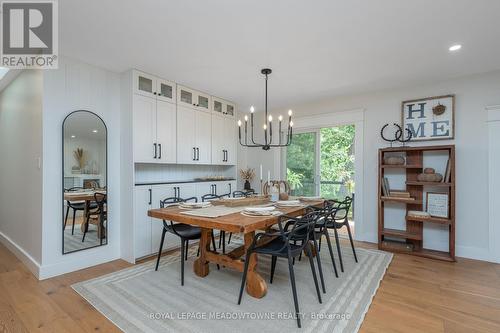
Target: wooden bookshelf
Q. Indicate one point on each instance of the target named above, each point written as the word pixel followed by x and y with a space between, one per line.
pixel 411 240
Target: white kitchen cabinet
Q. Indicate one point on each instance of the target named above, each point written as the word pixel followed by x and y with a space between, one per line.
pixel 154 130
pixel 195 99
pixel 194 132
pixel 154 87
pixel 142 222
pixel 225 187
pixel 223 140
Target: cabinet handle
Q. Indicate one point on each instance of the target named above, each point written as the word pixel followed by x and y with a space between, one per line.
pixel 159 147
pixel 194 154
pixel 154 93
pixel 227 155
pixel 154 144
pixel 159 94
pixel 178 192
pixel 150 197
pixel 230 190
pixel 197 154
pixel 215 187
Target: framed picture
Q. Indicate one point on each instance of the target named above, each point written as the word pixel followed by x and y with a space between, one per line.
pixel 438 204
pixel 431 118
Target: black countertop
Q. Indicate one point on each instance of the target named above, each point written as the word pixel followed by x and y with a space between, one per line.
pixel 185 182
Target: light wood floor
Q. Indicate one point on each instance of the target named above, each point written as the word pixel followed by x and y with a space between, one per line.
pixel 416 295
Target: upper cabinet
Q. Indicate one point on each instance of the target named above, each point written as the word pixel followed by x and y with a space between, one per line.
pixel 193 99
pixel 223 107
pixel 151 86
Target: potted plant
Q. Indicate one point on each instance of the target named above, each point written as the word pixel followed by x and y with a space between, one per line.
pixel 247 175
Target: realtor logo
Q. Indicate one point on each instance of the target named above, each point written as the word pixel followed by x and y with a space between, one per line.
pixel 29 34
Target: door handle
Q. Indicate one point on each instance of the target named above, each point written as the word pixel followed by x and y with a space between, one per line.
pixel 159 146
pixel 154 144
pixel 150 197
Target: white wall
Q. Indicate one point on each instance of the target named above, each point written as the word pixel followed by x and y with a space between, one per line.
pixel 20 173
pixel 473 94
pixel 76 86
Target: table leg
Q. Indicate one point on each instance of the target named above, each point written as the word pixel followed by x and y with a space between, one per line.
pixel 256 286
pixel 85 212
pixel 200 265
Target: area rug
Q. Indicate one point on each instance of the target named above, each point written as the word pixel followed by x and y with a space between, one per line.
pixel 140 299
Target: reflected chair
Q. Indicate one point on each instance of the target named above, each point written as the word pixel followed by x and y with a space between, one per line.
pixel 280 244
pixel 76 206
pixel 185 232
pixel 99 214
pixel 338 218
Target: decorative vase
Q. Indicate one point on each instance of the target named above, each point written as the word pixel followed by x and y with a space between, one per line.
pixel 247 185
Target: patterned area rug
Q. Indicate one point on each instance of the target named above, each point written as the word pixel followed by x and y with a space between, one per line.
pixel 138 299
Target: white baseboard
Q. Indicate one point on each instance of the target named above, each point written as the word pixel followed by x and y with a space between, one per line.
pixel 71 265
pixel 21 254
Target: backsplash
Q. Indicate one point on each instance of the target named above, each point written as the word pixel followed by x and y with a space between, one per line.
pixel 145 173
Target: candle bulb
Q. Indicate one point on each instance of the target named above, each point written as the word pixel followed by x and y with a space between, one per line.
pixel 280 118
pixel 239 129
pixel 268 177
pixel 261 172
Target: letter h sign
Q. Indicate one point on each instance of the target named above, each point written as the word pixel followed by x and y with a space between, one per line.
pixel 430 118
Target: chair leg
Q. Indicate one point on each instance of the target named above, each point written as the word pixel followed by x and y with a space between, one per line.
pixel 300 255
pixel 220 238
pixel 325 232
pixel 293 260
pixel 73 226
pixel 313 270
pixel 223 242
pixel 319 248
pixel 350 239
pixel 294 291
pixel 320 269
pixel 86 228
pixel 183 248
pixel 186 252
pixel 229 240
pixel 213 244
pixel 273 267
pixel 66 218
pixel 161 248
pixel 338 248
pixel 244 278
pixel 198 253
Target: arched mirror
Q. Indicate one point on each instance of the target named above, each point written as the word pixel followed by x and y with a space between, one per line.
pixel 85 197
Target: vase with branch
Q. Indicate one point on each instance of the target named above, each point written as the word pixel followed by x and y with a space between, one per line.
pixel 247 175
pixel 79 157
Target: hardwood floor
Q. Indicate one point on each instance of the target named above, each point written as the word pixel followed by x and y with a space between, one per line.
pixel 416 295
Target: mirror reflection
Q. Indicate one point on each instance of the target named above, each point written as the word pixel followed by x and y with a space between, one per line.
pixel 84 181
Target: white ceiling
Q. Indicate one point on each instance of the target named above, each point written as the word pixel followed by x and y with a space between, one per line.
pixel 317 49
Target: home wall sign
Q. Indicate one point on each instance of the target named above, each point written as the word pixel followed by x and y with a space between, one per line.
pixel 431 118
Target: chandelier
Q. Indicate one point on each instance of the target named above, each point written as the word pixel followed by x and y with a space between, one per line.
pixel 268 127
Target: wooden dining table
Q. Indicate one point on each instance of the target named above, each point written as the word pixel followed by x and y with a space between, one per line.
pixel 87 197
pixel 235 223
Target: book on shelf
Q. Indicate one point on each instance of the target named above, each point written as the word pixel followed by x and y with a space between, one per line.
pixel 399 194
pixel 385 186
pixel 398 198
pixel 418 213
pixel 447 173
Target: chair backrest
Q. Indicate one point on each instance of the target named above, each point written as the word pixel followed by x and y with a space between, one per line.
pixel 101 199
pixel 301 227
pixel 239 194
pixel 340 209
pixel 175 200
pixel 210 196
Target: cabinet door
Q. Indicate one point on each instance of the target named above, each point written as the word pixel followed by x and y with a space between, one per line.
pixel 186 191
pixel 144 84
pixel 230 110
pixel 186 97
pixel 204 137
pixel 230 140
pixel 217 105
pixel 166 90
pixel 186 135
pixel 142 222
pixel 144 114
pixel 218 138
pixel 166 132
pixel 225 188
pixel 161 192
pixel 203 101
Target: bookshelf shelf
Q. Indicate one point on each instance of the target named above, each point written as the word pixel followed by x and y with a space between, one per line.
pixel 412 239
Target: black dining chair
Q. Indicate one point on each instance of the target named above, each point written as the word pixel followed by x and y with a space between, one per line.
pixel 282 245
pixel 76 206
pixel 338 218
pixel 100 214
pixel 239 194
pixel 185 232
pixel 222 234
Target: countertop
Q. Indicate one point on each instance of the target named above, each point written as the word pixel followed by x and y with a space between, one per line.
pixel 184 182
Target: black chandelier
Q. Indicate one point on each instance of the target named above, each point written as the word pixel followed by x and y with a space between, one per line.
pixel 268 127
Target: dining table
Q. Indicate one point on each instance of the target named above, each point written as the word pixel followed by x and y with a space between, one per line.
pixel 87 197
pixel 234 222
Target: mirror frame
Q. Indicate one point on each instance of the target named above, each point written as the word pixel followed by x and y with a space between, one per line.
pixel 62 184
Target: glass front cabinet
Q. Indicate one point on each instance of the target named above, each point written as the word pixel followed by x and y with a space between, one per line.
pixel 154 87
pixel 193 99
pixel 223 107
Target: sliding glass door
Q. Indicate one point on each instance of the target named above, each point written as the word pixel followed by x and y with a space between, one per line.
pixel 321 162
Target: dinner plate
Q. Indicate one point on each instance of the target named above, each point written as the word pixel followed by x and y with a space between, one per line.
pixel 310 198
pixel 288 203
pixel 259 209
pixel 195 204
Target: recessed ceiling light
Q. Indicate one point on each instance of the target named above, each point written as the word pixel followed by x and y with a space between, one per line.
pixel 455 47
pixel 95 131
